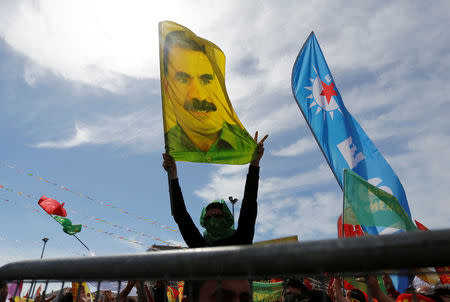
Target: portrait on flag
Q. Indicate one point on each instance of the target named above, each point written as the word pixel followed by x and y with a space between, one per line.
pixel 200 124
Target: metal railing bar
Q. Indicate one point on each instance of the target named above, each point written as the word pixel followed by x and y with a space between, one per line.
pixel 363 254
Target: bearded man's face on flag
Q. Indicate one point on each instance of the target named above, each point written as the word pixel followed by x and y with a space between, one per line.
pixel 191 86
pixel 200 124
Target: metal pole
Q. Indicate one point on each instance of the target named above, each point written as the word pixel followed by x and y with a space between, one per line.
pixel 233 202
pixel 33 284
pixel 43 248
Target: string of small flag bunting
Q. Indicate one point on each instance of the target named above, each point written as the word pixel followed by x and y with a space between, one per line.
pixel 121 227
pixel 97 220
pixel 106 204
pixel 36 242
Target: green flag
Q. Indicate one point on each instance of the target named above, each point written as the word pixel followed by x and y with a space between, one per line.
pixel 367 205
pixel 68 227
pixel 267 292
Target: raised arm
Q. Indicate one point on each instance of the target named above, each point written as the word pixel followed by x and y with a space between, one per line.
pixel 247 217
pixel 189 231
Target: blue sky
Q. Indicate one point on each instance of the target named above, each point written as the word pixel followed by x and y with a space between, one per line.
pixel 81 107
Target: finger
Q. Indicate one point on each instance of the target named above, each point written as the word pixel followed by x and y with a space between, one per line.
pixel 256 136
pixel 264 138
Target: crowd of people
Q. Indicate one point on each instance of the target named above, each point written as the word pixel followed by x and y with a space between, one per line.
pixel 293 290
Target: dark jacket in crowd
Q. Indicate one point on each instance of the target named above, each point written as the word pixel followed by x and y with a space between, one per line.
pixel 246 223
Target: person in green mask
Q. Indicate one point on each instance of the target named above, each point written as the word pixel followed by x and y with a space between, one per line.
pixel 216 217
pixel 218 221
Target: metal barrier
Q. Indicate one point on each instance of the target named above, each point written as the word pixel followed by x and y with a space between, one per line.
pixel 364 254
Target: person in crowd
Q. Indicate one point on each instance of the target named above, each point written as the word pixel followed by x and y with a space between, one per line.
pixel 375 290
pixel 215 217
pixel 159 291
pixel 212 291
pixel 442 292
pixel 40 298
pixel 3 291
pixel 390 288
pixel 141 289
pixel 66 295
pixel 356 295
pixel 353 295
pixel 292 289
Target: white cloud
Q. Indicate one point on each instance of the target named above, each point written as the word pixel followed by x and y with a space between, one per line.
pixel 82 136
pixel 310 218
pixel 276 187
pixel 303 145
pixel 423 170
pixel 136 130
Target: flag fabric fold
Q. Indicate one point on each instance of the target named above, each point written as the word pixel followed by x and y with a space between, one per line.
pixel 52 207
pixel 367 205
pixel 68 227
pixel 343 142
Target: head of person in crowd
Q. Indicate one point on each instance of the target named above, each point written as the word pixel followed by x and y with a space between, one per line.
pixel 356 295
pixel 218 221
pixel 213 290
pixel 293 290
pixel 424 289
pixel 66 295
pixel 3 291
pixel 159 290
pixel 313 295
pixel 442 291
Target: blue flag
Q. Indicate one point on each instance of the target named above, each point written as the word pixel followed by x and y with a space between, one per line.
pixel 342 140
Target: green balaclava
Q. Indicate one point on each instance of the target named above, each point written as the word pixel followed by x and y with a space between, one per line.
pixel 218 227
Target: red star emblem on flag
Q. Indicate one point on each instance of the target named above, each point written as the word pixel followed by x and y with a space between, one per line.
pixel 328 91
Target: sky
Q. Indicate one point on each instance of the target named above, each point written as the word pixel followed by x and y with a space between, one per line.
pixel 81 118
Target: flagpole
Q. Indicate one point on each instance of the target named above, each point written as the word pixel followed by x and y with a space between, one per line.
pixel 304 116
pixel 72 235
pixel 82 243
pixel 343 207
pixel 170 193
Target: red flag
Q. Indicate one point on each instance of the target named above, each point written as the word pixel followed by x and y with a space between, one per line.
pixel 413 297
pixel 421 226
pixel 38 292
pixel 52 207
pixel 350 230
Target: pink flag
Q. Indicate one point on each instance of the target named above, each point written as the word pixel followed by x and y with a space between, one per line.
pixel 14 289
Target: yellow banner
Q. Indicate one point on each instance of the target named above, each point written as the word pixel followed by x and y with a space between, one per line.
pixel 85 293
pixel 200 125
pixel 278 240
pixel 22 299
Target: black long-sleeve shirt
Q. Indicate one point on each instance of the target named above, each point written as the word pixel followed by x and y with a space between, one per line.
pixel 246 223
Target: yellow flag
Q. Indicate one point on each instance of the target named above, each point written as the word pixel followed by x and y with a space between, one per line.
pixel 84 295
pixel 200 124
